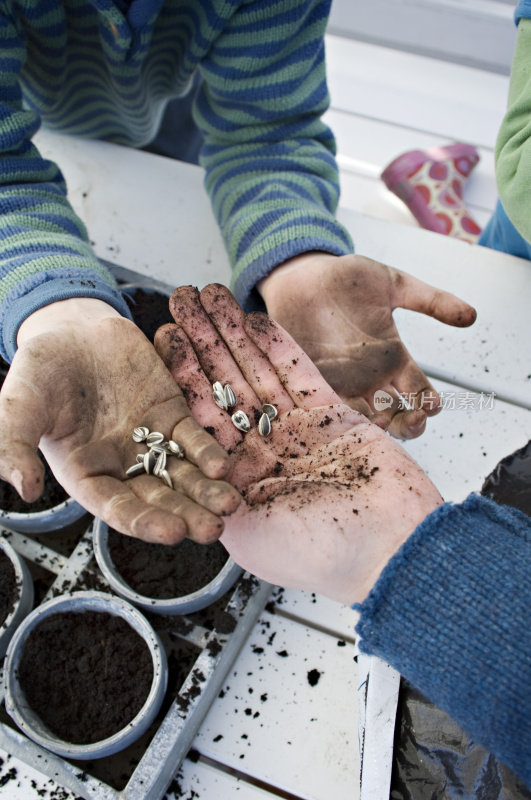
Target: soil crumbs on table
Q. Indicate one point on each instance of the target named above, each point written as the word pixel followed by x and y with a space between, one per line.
pixel 85 674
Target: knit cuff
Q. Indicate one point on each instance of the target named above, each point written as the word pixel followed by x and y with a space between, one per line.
pixel 523 9
pixel 451 613
pixel 274 251
pixel 81 283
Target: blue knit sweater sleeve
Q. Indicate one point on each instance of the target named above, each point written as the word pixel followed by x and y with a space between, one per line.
pixel 451 613
pixel 523 9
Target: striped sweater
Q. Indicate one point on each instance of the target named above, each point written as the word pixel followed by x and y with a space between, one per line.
pixel 100 69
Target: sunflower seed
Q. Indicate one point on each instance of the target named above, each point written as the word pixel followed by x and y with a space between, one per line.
pixel 270 410
pixel 140 433
pixel 230 397
pixel 136 469
pixel 159 448
pixel 176 449
pixel 154 438
pixel 140 458
pixel 165 476
pixel 264 425
pixel 218 393
pixel 241 421
pixel 149 461
pixel 160 464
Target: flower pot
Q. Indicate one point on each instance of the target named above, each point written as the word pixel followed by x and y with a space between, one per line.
pixel 89 662
pixel 17 593
pixel 161 567
pixel 51 512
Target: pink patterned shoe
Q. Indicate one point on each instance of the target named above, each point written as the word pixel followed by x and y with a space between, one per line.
pixel 430 183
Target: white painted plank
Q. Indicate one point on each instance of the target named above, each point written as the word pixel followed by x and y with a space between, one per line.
pixel 148 213
pixel 462 445
pixel 273 724
pixel 316 611
pixel 19 781
pixel 448 100
pixel 378 688
pixel 199 781
pixel 477 32
pixel 366 146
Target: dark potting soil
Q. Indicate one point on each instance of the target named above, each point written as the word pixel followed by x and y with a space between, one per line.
pixel 8 586
pixel 510 482
pixel 85 674
pixel 149 308
pixel 52 495
pixel 160 571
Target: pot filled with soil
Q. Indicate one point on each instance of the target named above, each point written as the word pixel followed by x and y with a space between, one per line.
pixel 149 306
pixel 53 510
pixel 85 675
pixel 16 592
pixel 178 579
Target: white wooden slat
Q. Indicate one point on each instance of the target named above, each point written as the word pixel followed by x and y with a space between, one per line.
pixel 202 781
pixel 462 445
pixel 19 781
pixel 437 28
pixel 150 214
pixel 447 100
pixel 366 146
pixel 279 728
pixel 316 611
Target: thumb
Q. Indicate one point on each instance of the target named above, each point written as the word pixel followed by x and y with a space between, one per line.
pixel 22 468
pixel 415 295
pixel 22 423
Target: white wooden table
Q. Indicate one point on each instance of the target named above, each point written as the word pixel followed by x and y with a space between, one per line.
pixel 273 733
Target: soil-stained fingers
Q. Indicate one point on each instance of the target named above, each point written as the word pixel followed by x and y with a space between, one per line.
pixel 253 364
pixel 177 352
pixel 296 371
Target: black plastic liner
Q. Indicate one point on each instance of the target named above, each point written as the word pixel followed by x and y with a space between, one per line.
pixel 433 758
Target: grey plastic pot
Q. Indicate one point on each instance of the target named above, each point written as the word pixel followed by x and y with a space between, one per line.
pixel 23 602
pixel 51 519
pixel 185 604
pixel 17 706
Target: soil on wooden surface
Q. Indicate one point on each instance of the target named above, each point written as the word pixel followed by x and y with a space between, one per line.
pixel 86 675
pixel 9 588
pixel 162 572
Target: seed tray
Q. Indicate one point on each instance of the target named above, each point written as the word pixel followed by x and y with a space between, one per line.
pixel 200 647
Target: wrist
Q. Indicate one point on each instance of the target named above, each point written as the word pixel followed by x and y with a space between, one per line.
pixel 287 274
pixel 392 544
pixel 73 311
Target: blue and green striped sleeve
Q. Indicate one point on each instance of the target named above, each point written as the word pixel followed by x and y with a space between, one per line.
pixel 44 250
pixel 269 158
